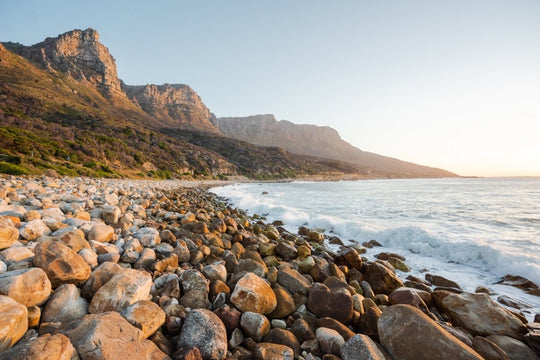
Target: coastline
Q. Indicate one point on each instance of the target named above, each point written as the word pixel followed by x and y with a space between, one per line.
pixel 200 255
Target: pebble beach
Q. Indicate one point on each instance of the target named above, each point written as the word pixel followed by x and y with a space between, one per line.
pixel 137 269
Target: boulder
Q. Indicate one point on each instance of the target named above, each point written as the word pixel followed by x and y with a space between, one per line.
pixel 110 214
pixel 381 279
pixel 285 302
pixel 27 286
pixel 8 233
pixel 13 322
pixel 99 277
pixel 146 316
pixel 409 297
pixel 65 305
pixel 350 257
pixel 269 351
pixel 101 232
pixel 361 347
pixel 204 330
pixel 148 236
pixel 254 325
pixel 330 341
pixel 121 291
pixel 252 293
pixel 438 280
pixel 47 347
pixel 72 237
pixel 109 336
pixel 488 349
pixel 293 281
pixel 61 264
pixel 283 337
pixel 409 334
pixel 515 349
pixel 16 253
pixel 480 315
pixel 34 229
pixel 325 303
pixel 333 324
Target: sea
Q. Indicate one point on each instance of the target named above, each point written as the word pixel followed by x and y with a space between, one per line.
pixel 470 230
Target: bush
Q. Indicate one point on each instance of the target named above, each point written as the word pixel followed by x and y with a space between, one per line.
pixel 11 169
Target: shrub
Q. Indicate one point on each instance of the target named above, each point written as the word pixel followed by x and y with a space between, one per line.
pixel 11 169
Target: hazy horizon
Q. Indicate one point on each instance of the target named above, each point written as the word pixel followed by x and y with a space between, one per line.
pixel 449 85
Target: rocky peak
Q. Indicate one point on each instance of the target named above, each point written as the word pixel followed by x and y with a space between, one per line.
pixel 174 104
pixel 79 54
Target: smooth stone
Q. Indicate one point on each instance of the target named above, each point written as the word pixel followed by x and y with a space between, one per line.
pixel 65 305
pixel 61 264
pixel 515 349
pixel 13 322
pixel 109 336
pixel 381 279
pixel 438 280
pixel 254 325
pixel 488 349
pixel 99 277
pixel 283 337
pixel 72 237
pixel 204 330
pixel 269 351
pixel 330 341
pixel 293 281
pixel 333 324
pixel 216 272
pixel 89 256
pixel 148 236
pixel 196 299
pixel 121 291
pixel 285 302
pixel 409 334
pixel 251 293
pixel 34 229
pixel 16 253
pixel 8 233
pixel 320 297
pixel 361 347
pixel 146 316
pixel 101 232
pixel 302 330
pixel 47 347
pixel 110 214
pixel 27 286
pixel 192 279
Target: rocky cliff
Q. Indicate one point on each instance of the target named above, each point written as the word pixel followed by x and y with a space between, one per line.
pixel 175 104
pixel 319 141
pixel 80 55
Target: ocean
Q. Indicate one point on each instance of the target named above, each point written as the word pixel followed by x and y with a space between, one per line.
pixel 470 230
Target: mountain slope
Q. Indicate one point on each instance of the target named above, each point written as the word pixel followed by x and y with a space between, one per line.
pixel 319 141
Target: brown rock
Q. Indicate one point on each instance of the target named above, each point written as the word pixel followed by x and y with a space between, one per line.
pixel 55 347
pixel 333 324
pixel 293 281
pixel 254 325
pixel 488 349
pixel 99 277
pixel 13 322
pixel 71 237
pixel 302 331
pixel 409 334
pixel 269 351
pixel 64 306
pixel 230 317
pixel 381 279
pixel 8 233
pixel 27 286
pixel 101 232
pixel 330 341
pixel 515 349
pixel 518 281
pixel 350 257
pixel 109 336
pixel 324 303
pixel 283 337
pixel 252 293
pixel 146 316
pixel 369 321
pixel 61 264
pixel 409 297
pixel 441 281
pixel 285 302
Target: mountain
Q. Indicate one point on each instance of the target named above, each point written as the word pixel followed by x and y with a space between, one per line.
pixel 64 110
pixel 320 141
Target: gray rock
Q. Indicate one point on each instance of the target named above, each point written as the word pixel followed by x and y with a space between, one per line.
pixel 65 305
pixel 515 349
pixel 254 325
pixel 330 341
pixel 204 330
pixel 361 347
pixel 34 229
pixel 149 237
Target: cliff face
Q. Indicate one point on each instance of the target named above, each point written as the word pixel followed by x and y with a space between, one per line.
pixel 319 141
pixel 80 55
pixel 174 105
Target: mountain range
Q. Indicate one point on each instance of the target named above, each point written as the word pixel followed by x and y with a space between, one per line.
pixel 64 111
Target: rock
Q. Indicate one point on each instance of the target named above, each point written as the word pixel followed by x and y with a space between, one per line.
pixel 43 348
pixel 286 251
pixel 293 281
pixel 230 317
pixel 315 236
pixel 350 257
pixel 511 302
pixel 381 279
pixel 109 336
pixel 65 305
pixel 285 302
pixel 283 337
pixel 193 280
pixel 330 341
pixel 408 334
pixel 254 325
pixel 99 277
pixel 488 349
pixel 302 331
pixel 34 316
pixel 324 303
pixel 34 229
pixel 149 237
pixel 398 264
pixel 89 256
pixel 361 347
pixel 101 232
pixel 256 267
pixel 215 272
pixel 146 316
pixel 387 256
pixel 269 351
pixel 480 315
pixel 121 291
pixel 196 299
pixel 368 323
pixel 8 233
pixel 61 264
pixel 252 293
pixel 441 281
pixel 515 349
pixel 71 237
pixel 110 214
pixel 16 253
pixel 27 286
pixel 409 297
pixel 204 330
pixel 13 322
pixel 333 324
pixel 518 281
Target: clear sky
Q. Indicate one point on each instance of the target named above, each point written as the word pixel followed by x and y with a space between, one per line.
pixel 452 84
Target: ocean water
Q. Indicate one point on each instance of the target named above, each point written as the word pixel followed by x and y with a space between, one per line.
pixel 471 230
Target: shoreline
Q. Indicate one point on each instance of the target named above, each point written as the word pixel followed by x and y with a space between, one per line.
pixel 196 255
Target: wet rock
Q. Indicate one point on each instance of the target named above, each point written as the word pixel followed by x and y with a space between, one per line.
pixel 65 305
pixel 381 279
pixel 61 264
pixel 520 282
pixel 283 337
pixel 398 264
pixel 254 325
pixel 27 286
pixel 361 347
pixel 8 233
pixel 350 257
pixel 269 351
pixel 252 293
pixel 286 251
pixel 515 349
pixel 480 315
pixel 441 281
pixel 325 303
pixel 330 341
pixel 230 317
pixel 204 330
pixel 13 322
pixel 121 291
pixel 407 333
pixel 109 336
pixel 145 315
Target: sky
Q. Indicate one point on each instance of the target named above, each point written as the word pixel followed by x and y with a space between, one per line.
pixel 450 84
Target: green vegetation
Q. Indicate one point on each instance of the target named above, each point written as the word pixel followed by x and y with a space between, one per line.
pixel 11 169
